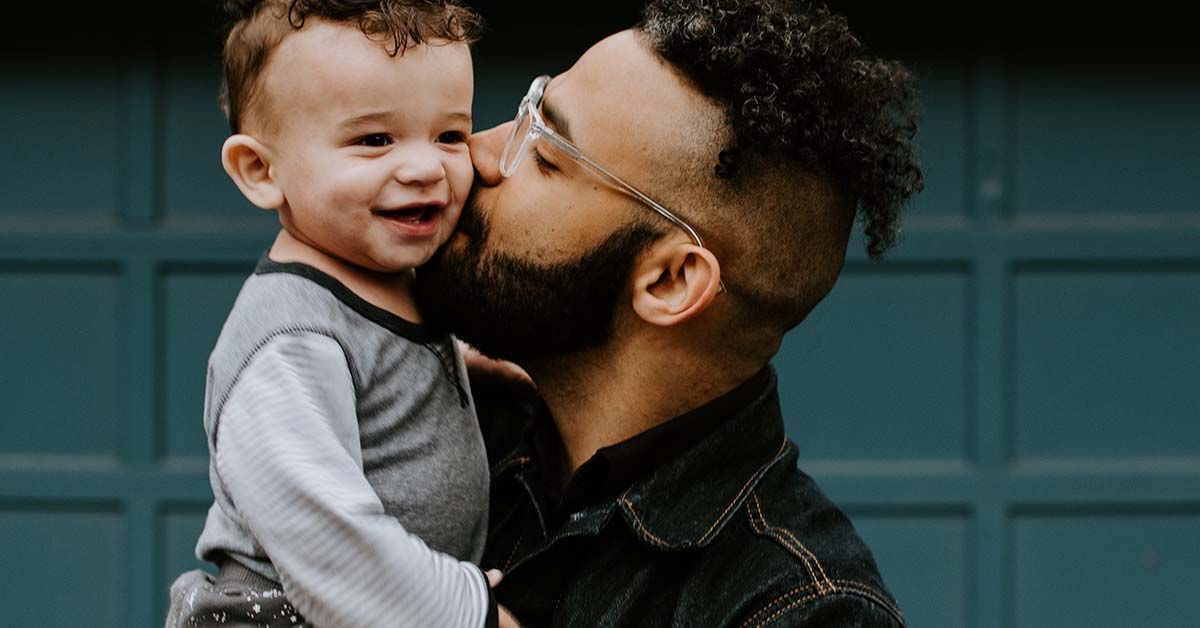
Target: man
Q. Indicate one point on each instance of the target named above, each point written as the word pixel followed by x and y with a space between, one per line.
pixel 640 239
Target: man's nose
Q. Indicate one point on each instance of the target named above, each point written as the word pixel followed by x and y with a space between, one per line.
pixel 420 167
pixel 486 147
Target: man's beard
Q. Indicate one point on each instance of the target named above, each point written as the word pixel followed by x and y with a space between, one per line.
pixel 515 309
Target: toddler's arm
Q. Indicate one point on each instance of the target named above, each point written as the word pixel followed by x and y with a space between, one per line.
pixel 287 450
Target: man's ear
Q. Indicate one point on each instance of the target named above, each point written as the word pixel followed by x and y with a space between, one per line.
pixel 248 163
pixel 674 281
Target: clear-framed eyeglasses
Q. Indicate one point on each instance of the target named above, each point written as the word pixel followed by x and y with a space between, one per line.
pixel 529 127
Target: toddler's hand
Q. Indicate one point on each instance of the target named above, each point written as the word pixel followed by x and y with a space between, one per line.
pixel 507 620
pixel 494 576
pixel 480 367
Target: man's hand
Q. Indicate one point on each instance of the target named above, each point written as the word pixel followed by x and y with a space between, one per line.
pixel 482 368
pixel 494 576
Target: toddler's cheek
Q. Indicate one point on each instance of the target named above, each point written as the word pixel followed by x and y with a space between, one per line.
pixel 462 174
pixel 451 221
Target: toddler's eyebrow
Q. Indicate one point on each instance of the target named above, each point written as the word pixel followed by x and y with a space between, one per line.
pixel 366 118
pixel 384 116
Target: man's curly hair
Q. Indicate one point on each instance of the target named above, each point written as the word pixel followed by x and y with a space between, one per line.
pixel 794 80
pixel 256 27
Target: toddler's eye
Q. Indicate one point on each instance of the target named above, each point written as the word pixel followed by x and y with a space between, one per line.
pixel 374 140
pixel 452 137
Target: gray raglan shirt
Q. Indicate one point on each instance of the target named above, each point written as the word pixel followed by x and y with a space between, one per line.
pixel 345 457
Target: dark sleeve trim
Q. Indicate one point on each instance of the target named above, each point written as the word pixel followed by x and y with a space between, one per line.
pixel 493 614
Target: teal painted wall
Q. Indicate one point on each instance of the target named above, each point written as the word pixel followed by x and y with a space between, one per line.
pixel 1007 407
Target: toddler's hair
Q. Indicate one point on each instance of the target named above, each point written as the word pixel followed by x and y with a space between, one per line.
pixel 256 27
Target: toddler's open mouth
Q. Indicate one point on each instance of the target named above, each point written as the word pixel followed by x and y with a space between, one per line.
pixel 416 220
pixel 413 215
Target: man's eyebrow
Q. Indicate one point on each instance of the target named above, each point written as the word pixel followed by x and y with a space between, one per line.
pixel 556 120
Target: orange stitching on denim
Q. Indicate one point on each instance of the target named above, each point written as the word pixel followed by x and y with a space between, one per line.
pixel 865 591
pixel 745 486
pixel 766 609
pixel 509 459
pixel 778 613
pixel 641 526
pixel 794 540
pixel 767 530
pixel 513 555
pixel 854 586
pixel 872 594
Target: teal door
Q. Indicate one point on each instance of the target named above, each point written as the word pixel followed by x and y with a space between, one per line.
pixel 1008 407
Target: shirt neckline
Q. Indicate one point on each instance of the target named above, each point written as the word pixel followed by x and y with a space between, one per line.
pixel 417 332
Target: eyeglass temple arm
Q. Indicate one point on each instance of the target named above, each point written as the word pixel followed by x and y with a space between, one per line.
pixel 651 203
pixel 664 212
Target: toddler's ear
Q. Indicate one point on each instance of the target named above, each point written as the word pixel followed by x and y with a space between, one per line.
pixel 248 163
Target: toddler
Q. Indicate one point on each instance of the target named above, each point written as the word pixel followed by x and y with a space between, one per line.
pixel 349 474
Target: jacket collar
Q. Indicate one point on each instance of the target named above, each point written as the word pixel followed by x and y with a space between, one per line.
pixel 687 501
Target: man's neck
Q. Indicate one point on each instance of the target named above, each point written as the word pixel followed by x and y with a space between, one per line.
pixel 603 397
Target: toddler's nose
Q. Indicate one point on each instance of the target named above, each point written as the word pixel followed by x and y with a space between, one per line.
pixel 420 168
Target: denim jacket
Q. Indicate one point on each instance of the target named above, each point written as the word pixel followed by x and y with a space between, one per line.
pixel 728 533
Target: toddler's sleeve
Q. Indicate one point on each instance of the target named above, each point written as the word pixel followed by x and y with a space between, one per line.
pixel 287 450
